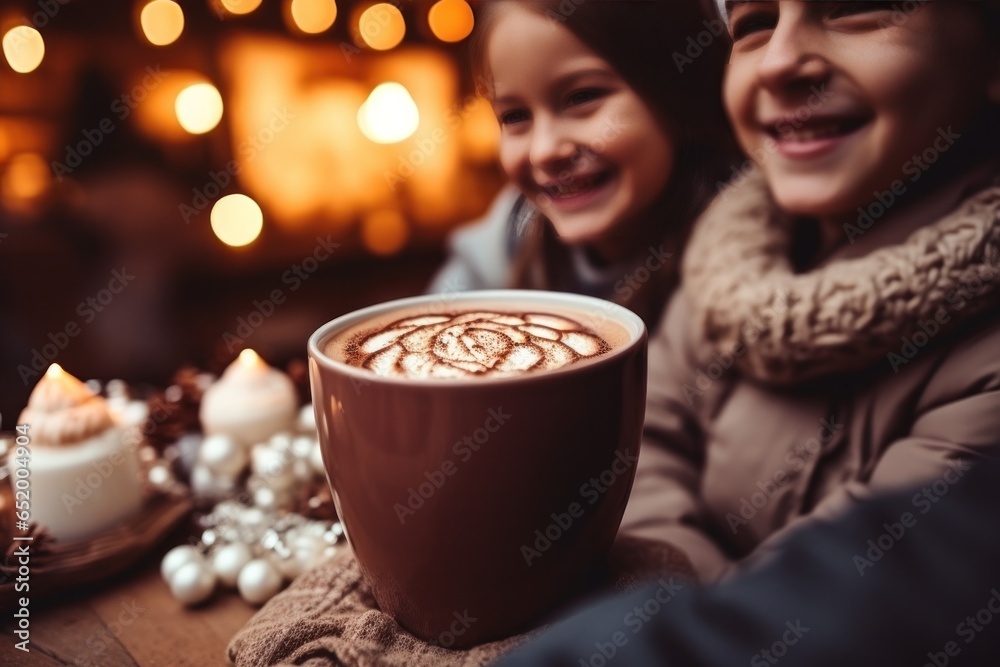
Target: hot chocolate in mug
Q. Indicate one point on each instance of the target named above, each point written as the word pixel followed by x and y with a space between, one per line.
pixel 481 448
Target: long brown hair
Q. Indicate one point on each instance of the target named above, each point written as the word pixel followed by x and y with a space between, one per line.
pixel 673 54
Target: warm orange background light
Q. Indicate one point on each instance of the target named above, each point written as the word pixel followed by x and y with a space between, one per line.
pixel 199 108
pixel 25 180
pixel 389 115
pixel 240 6
pixel 313 16
pixel 384 232
pixel 382 27
pixel 162 22
pixel 24 48
pixel 292 121
pixel 156 113
pixel 451 20
pixel 480 130
pixel 237 220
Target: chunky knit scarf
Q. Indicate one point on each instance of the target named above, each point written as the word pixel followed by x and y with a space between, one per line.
pixel 787 327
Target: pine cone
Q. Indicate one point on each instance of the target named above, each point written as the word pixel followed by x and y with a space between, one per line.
pixel 174 412
pixel 315 501
pixel 298 371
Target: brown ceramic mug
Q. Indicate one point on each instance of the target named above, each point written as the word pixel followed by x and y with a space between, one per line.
pixel 476 505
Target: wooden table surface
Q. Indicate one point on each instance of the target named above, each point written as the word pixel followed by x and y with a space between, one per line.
pixel 129 621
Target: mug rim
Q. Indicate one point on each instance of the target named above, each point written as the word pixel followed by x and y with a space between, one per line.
pixel 629 321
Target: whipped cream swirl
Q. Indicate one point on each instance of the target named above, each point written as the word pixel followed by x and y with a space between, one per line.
pixel 475 344
pixel 63 411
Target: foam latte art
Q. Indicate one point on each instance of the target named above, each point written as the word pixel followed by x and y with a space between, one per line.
pixel 474 344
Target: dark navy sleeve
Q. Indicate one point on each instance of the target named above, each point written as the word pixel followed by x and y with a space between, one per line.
pixel 908 579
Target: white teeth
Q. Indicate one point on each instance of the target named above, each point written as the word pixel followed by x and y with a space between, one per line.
pixel 813 133
pixel 577 186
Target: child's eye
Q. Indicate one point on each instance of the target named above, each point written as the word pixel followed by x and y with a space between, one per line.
pixel 512 117
pixel 582 96
pixel 752 21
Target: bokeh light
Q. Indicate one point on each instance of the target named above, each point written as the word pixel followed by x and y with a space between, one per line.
pixel 382 26
pixel 313 16
pixel 237 220
pixel 240 6
pixel 27 176
pixel 384 232
pixel 451 20
pixel 24 48
pixel 162 22
pixel 25 180
pixel 389 115
pixel 199 108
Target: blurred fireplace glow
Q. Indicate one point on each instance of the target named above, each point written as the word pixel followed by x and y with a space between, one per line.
pixel 292 113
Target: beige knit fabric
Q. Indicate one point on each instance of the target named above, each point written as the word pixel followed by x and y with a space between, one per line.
pixel 328 617
pixel 784 327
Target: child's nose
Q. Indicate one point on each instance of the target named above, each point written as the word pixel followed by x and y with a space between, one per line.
pixel 792 57
pixel 551 143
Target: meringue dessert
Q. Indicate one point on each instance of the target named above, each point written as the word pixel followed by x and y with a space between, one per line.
pixel 250 402
pixel 84 468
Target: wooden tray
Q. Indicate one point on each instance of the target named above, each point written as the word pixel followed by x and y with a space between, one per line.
pixel 60 567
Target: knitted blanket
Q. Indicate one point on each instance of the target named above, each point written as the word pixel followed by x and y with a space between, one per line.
pixel 328 617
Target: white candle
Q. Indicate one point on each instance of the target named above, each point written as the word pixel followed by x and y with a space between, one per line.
pixel 250 402
pixel 84 465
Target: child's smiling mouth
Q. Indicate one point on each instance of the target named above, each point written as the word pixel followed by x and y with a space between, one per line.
pixel 576 187
pixel 813 137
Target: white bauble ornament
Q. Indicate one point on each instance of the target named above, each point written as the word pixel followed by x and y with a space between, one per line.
pixel 258 581
pixel 273 466
pixel 302 445
pixel 288 566
pixel 281 441
pixel 254 517
pixel 193 583
pixel 204 483
pixel 266 499
pixel 131 413
pixel 223 456
pixel 177 558
pixel 306 422
pixel 303 470
pixel 229 560
pixel 308 550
